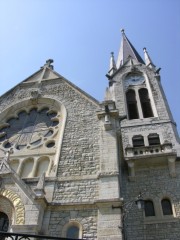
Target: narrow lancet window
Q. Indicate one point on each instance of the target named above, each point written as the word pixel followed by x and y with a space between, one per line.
pixel 132 105
pixel 145 103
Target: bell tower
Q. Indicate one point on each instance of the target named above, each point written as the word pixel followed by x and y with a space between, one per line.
pixel 149 130
pixel 148 135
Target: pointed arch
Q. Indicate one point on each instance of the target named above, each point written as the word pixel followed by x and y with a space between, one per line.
pixel 132 104
pixel 145 103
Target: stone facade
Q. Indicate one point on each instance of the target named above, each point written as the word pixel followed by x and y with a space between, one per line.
pixel 73 167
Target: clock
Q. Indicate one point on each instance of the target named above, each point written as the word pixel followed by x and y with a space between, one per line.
pixel 134 80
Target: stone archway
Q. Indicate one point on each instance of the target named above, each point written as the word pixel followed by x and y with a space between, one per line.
pixel 17 204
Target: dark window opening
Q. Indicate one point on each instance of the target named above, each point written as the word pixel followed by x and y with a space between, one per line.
pixel 166 207
pixel 145 103
pixel 138 141
pixel 153 139
pixel 73 232
pixel 4 222
pixel 149 208
pixel 132 105
pixel 50 144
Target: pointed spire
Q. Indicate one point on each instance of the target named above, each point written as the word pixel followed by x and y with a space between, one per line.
pixel 126 50
pixel 148 60
pixel 112 67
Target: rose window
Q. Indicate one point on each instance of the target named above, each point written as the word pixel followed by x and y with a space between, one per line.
pixel 29 129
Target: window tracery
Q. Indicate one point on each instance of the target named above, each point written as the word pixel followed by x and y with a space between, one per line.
pixel 28 129
pixel 33 134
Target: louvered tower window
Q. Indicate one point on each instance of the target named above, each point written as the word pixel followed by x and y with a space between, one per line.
pixel 138 141
pixel 153 139
pixel 145 103
pixel 132 104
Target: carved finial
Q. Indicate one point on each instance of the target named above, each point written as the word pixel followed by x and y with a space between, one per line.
pixel 49 61
pixel 8 154
pixel 41 181
pixel 112 67
pixel 122 30
pixel 39 190
pixel 4 162
pixel 147 59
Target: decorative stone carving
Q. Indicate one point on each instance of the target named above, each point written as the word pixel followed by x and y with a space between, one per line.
pixel 107 113
pixel 17 203
pixel 39 190
pixel 35 94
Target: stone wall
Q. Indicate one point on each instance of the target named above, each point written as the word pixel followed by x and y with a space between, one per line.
pixel 86 217
pixel 80 146
pixel 76 191
pixel 155 183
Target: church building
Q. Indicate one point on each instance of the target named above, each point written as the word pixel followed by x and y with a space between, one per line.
pixel 73 167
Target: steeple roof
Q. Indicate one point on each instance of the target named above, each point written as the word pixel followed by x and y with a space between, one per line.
pixel 126 50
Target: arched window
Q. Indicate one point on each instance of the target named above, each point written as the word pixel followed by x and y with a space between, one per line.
pixel 42 166
pixel 27 168
pixel 138 141
pixel 132 104
pixel 72 232
pixel 149 208
pixel 166 207
pixel 153 139
pixel 145 103
pixel 4 222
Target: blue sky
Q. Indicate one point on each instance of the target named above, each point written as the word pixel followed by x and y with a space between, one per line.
pixel 80 34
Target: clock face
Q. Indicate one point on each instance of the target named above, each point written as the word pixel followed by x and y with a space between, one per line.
pixel 134 80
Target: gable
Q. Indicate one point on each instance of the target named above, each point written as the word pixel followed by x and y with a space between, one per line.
pixel 43 73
